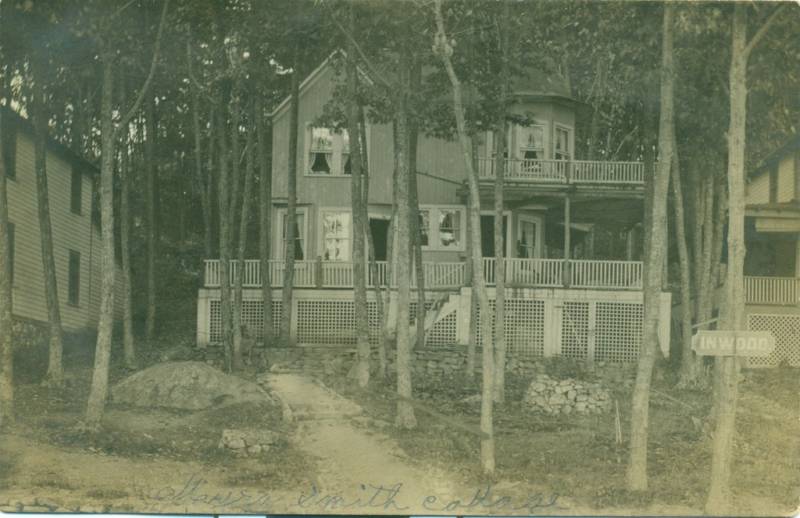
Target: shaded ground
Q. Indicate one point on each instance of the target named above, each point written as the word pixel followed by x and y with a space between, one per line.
pixel 578 457
pixel 341 453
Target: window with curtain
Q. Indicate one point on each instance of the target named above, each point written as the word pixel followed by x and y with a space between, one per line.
pixel 329 152
pixel 336 235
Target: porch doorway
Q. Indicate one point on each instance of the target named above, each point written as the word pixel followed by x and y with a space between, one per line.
pixel 379 228
pixel 487 235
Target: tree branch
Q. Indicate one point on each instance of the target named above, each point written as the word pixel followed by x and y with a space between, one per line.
pixel 762 30
pixel 146 86
pixel 373 72
pixel 197 85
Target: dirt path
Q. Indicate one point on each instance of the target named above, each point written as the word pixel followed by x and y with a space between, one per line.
pixel 356 464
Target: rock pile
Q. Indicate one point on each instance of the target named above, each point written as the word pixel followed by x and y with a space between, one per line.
pixel 552 396
pixel 247 442
pixel 187 386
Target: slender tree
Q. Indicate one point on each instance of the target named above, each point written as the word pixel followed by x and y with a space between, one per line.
pixel 128 342
pixel 265 217
pixel 637 465
pixel 290 223
pixel 247 196
pixel 150 209
pixel 444 50
pixel 405 412
pixel 499 202
pixel 99 387
pixel 6 322
pixel 55 369
pixel 732 314
pixel 361 369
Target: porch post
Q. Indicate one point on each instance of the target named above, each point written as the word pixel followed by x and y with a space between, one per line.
pixel 629 243
pixel 567 240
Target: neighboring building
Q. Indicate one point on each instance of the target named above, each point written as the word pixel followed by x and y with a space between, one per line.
pixel 570 292
pixel 76 234
pixel 772 263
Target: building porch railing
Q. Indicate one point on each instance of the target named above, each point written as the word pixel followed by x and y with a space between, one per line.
pixel 782 291
pixel 549 273
pixel 566 171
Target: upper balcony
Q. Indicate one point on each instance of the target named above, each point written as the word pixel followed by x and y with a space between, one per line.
pixel 559 174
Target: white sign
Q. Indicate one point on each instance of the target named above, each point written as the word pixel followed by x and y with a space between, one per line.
pixel 733 343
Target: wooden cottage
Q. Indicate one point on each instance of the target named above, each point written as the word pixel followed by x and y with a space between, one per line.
pixel 76 233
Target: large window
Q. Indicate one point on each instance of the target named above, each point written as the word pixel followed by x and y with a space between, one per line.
pixel 531 142
pixel 76 191
pixel 329 152
pixel 442 228
pixel 336 235
pixel 561 144
pixel 299 234
pixel 74 278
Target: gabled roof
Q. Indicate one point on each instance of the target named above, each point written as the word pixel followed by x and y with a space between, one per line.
pixel 532 84
pixel 22 124
pixel 792 145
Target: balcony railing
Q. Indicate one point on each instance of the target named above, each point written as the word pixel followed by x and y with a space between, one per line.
pixel 566 172
pixel 548 273
pixel 783 291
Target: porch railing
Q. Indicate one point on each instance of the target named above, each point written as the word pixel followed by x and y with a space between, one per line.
pixel 442 275
pixel 563 171
pixel 555 273
pixel 784 291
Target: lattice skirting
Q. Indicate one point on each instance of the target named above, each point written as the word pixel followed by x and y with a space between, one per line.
pixel 603 331
pixel 786 329
pixel 595 327
pixel 328 322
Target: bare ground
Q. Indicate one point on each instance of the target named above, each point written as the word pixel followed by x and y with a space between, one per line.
pixel 342 455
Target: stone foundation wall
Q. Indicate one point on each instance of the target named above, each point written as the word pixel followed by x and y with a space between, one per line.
pixel 430 361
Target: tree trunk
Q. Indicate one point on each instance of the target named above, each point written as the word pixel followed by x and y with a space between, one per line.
pixel 472 337
pixel 150 207
pixel 373 264
pixel 6 323
pixel 99 389
pixel 224 229
pixel 240 329
pixel 405 412
pixel 414 221
pixel 359 227
pixel 689 372
pixel 263 143
pixel 499 234
pixel 236 350
pixel 444 50
pixel 128 344
pixel 202 181
pixel 637 467
pixel 291 204
pixel 732 314
pixel 55 369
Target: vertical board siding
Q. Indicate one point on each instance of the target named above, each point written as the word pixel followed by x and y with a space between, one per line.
pixel 70 232
pixel 758 189
pixel 786 179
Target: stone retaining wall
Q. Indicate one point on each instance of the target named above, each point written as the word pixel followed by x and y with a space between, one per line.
pixel 429 361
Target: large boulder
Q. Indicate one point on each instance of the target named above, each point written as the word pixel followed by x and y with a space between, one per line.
pixel 186 386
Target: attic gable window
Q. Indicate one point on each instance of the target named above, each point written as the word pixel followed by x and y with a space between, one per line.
pixel 329 152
